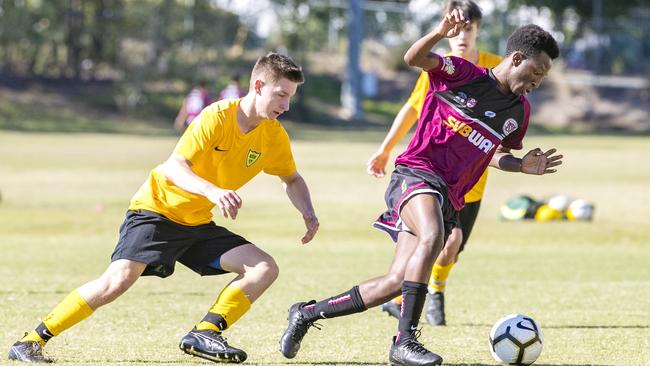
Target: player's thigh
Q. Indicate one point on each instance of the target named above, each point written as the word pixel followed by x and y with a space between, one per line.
pixel 404 248
pixel 422 215
pixel 125 270
pixel 206 255
pixel 244 257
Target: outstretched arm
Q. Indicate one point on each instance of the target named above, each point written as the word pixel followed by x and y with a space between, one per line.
pixel 420 55
pixel 298 193
pixel 402 123
pixel 179 171
pixel 535 162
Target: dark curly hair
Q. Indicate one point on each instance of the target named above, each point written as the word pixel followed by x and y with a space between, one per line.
pixel 530 40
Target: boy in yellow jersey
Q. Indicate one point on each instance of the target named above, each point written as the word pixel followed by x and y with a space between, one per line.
pixel 463 45
pixel 169 219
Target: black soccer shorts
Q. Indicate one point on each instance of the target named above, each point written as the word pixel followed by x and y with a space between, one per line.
pixel 151 238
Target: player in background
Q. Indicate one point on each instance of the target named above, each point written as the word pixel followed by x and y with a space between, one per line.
pixel 197 99
pixel 169 219
pixel 472 117
pixel 232 90
pixel 463 45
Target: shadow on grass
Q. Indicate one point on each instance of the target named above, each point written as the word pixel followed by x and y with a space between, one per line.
pixel 537 364
pixel 322 363
pixel 573 326
pixel 383 363
pixel 134 361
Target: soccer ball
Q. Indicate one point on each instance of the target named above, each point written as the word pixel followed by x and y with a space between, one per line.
pixel 516 340
pixel 559 202
pixel 546 213
pixel 580 210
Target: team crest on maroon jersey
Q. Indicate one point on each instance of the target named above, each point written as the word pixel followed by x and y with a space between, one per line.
pixel 509 126
pixel 448 66
pixel 461 98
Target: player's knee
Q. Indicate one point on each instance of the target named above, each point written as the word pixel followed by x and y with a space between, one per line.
pixel 116 283
pixel 454 240
pixel 430 241
pixel 267 270
pixel 393 282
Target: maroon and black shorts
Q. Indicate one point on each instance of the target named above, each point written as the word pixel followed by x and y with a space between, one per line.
pixel 406 183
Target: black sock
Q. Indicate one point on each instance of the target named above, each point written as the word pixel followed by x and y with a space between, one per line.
pixel 413 296
pixel 349 302
pixel 43 332
pixel 215 319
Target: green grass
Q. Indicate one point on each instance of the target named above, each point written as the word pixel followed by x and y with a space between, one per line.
pixel 587 284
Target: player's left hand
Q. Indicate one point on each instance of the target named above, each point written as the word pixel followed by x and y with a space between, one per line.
pixel 538 162
pixel 311 222
pixel 452 23
pixel 377 164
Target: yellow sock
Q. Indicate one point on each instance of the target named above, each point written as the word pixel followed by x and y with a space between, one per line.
pixel 231 305
pixel 397 300
pixel 67 313
pixel 438 279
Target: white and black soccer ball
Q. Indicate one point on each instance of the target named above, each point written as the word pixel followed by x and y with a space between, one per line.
pixel 580 210
pixel 516 340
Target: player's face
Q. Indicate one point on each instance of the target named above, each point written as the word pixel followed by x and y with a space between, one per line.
pixel 528 72
pixel 465 41
pixel 274 97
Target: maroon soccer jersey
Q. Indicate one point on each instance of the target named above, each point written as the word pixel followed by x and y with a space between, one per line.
pixel 464 119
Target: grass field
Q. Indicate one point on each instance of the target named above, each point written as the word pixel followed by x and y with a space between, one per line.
pixel 587 284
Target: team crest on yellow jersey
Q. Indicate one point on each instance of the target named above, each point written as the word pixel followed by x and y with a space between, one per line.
pixel 252 157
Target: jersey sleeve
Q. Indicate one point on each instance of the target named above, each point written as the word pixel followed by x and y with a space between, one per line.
pixel 202 134
pixel 416 99
pixel 281 162
pixel 515 140
pixel 452 70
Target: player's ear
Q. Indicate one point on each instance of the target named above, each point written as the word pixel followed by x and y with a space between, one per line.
pixel 517 58
pixel 258 86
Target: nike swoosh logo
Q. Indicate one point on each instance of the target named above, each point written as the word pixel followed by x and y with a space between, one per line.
pixel 323 315
pixel 218 149
pixel 413 328
pixel 521 325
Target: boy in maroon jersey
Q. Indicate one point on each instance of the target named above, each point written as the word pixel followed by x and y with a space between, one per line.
pixel 472 117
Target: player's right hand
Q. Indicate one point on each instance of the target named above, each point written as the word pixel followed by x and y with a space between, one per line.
pixel 452 23
pixel 377 164
pixel 228 202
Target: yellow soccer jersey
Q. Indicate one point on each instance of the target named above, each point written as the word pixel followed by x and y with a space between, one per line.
pixel 416 100
pixel 220 153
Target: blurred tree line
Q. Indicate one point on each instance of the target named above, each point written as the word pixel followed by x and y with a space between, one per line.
pixel 117 38
pixel 128 41
pixel 131 42
pixel 84 38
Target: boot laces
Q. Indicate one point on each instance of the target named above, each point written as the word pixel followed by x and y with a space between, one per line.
pixel 302 326
pixel 414 345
